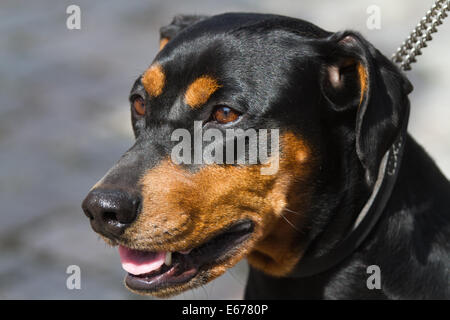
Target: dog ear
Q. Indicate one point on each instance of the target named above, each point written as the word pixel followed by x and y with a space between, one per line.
pixel 358 77
pixel 178 23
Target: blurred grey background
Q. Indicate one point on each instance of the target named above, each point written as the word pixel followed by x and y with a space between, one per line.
pixel 64 120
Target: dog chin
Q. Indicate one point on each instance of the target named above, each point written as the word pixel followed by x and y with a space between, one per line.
pixel 164 274
pixel 200 279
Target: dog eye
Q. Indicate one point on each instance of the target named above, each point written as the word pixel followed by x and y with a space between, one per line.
pixel 224 114
pixel 139 105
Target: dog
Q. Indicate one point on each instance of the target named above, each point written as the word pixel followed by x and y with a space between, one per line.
pixel 356 208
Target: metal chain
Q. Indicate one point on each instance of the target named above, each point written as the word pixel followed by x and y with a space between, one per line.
pixel 412 46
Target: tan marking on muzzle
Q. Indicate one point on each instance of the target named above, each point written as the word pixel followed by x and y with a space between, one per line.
pixel 181 210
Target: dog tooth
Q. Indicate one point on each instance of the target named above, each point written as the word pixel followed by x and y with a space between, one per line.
pixel 168 260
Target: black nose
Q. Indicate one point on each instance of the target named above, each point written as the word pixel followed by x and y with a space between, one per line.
pixel 111 211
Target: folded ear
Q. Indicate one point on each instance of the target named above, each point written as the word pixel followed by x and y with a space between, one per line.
pixel 178 23
pixel 357 76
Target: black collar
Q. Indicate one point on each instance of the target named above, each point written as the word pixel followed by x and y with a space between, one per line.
pixel 367 218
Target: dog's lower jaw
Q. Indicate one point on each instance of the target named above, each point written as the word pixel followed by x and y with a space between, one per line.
pixel 203 276
pixel 268 261
pixel 275 251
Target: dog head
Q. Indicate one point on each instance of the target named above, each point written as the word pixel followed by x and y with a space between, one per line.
pixel 323 106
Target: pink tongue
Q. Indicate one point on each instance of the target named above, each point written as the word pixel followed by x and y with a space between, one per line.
pixel 139 262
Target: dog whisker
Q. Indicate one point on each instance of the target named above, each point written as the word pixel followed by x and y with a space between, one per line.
pixel 289 210
pixel 290 223
pixel 211 288
pixel 235 277
pixel 206 292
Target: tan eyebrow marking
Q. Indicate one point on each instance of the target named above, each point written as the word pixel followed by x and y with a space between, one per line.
pixel 153 80
pixel 200 90
pixel 163 42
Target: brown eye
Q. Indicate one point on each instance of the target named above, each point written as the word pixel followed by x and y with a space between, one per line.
pixel 139 106
pixel 224 114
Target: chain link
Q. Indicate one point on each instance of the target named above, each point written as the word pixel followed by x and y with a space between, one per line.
pixel 413 45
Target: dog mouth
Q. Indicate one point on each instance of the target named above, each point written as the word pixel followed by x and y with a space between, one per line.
pixel 150 271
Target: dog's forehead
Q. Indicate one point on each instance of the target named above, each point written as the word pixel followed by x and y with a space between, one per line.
pixel 230 52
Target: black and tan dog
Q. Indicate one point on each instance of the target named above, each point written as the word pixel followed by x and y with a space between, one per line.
pixel 343 199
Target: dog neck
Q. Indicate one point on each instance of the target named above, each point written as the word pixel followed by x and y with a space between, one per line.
pixel 326 252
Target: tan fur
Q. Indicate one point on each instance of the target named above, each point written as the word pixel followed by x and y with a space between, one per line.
pixel 363 80
pixel 154 80
pixel 279 251
pixel 162 43
pixel 182 210
pixel 200 90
